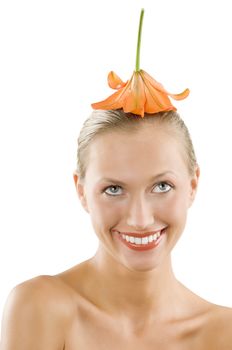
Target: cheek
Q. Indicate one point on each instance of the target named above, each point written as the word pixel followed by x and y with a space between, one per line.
pixel 173 209
pixel 102 211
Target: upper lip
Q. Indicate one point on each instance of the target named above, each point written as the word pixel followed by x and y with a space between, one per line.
pixel 134 234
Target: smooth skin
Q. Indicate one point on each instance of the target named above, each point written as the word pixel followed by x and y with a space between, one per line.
pixel 121 298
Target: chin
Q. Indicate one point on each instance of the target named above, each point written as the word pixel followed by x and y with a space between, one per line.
pixel 142 266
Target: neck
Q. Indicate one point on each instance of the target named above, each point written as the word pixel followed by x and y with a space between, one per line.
pixel 122 291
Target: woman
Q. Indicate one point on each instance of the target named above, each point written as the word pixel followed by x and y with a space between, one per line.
pixel 137 178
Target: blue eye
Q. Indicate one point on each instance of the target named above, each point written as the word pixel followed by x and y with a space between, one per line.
pixel 163 187
pixel 114 193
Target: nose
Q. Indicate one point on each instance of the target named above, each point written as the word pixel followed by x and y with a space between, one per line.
pixel 140 214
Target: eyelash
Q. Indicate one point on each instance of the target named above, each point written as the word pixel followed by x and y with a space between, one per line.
pixel 114 195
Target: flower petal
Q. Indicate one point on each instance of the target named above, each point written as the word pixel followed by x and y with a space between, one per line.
pixel 160 87
pixel 180 96
pixel 111 102
pixel 152 81
pixel 114 101
pixel 156 104
pixel 114 81
pixel 135 100
pixel 156 101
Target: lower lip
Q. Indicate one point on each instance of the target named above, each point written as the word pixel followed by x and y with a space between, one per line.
pixel 143 247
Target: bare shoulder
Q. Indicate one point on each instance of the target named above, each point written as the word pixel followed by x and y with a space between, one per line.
pixel 42 293
pixel 223 316
pixel 219 328
pixel 36 315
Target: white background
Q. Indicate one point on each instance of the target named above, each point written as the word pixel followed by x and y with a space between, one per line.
pixel 54 60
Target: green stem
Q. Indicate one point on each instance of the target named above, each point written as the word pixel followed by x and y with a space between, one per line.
pixel 137 65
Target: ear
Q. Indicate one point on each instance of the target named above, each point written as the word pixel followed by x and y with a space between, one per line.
pixel 80 191
pixel 194 184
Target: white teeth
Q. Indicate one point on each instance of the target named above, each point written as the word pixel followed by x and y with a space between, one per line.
pixel 144 240
pixel 138 240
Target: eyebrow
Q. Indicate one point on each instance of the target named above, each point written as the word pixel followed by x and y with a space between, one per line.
pixel 151 179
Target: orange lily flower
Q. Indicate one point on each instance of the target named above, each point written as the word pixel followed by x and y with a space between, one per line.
pixel 141 94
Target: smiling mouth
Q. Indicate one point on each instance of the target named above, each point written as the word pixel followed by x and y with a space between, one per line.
pixel 144 241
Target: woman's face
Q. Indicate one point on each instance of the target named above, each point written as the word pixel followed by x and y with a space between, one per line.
pixel 136 185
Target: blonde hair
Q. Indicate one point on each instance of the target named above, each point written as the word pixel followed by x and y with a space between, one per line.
pixel 102 121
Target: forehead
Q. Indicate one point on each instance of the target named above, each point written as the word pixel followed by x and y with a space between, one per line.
pixel 147 151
